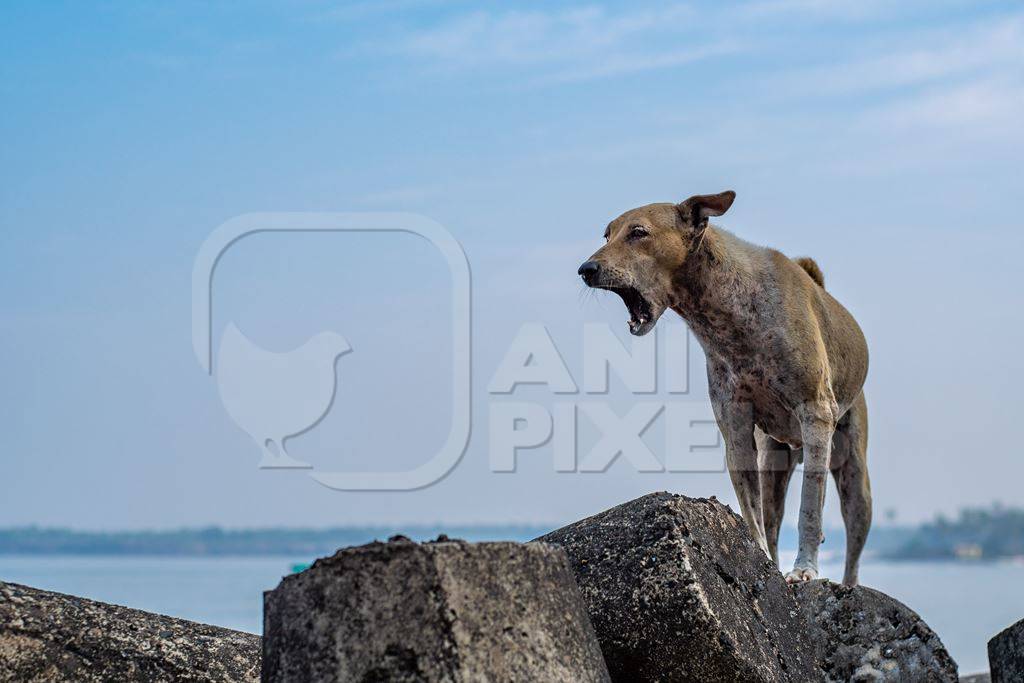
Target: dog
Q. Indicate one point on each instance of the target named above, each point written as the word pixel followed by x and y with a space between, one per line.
pixel 786 362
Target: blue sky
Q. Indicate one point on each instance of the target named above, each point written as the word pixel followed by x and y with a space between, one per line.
pixel 883 139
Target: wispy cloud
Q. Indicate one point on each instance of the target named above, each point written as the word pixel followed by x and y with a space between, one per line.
pixel 980 49
pixel 367 9
pixel 401 196
pixel 905 86
pixel 562 46
pixel 988 107
pixel 622 64
pixel 841 9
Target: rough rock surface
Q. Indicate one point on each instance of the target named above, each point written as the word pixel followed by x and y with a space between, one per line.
pixel 860 634
pixel 448 610
pixel 678 591
pixel 1006 654
pixel 54 637
pixel 976 678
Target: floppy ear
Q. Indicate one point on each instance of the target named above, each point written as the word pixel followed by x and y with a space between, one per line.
pixel 699 207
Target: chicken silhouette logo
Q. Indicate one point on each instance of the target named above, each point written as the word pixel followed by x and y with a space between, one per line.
pixel 274 396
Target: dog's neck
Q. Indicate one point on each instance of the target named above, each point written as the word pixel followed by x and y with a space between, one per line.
pixel 715 286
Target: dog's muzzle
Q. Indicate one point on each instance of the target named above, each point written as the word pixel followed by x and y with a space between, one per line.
pixel 589 272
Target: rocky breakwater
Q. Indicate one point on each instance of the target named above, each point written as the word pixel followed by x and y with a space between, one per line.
pixel 48 636
pixel 442 611
pixel 678 591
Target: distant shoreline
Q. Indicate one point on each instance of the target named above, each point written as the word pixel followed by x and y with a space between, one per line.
pixel 217 542
pixel 214 541
pixel 977 535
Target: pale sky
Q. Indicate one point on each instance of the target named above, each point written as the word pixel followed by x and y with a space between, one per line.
pixel 883 139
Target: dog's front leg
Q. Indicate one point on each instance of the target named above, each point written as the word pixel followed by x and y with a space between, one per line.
pixel 736 421
pixel 816 427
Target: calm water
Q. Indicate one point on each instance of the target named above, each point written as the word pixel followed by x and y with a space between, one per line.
pixel 965 603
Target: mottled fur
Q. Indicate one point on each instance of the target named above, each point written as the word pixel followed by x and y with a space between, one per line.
pixel 786 362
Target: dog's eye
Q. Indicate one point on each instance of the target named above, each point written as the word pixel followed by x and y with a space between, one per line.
pixel 637 232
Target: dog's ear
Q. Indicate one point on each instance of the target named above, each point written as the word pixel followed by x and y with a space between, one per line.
pixel 699 207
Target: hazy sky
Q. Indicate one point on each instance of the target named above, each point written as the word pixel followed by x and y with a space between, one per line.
pixel 884 139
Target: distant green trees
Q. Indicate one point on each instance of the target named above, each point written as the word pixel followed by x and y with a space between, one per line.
pixel 217 541
pixel 977 533
pixel 985 533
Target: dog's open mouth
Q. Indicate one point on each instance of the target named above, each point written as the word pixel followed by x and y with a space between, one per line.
pixel 641 313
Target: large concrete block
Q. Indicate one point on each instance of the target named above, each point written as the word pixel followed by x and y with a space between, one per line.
pixel 53 637
pixel 860 634
pixel 443 611
pixel 678 591
pixel 1006 655
pixel 976 678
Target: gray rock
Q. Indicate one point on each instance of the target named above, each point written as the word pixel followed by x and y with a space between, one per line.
pixel 1006 654
pixel 678 591
pixel 860 634
pixel 976 678
pixel 54 637
pixel 443 611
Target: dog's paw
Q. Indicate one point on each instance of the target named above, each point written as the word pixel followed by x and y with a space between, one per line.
pixel 801 574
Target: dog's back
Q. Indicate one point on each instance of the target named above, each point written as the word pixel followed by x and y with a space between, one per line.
pixel 845 345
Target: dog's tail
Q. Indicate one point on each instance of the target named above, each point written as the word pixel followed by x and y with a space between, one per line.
pixel 809 265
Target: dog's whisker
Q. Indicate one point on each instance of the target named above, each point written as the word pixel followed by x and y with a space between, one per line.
pixel 584 294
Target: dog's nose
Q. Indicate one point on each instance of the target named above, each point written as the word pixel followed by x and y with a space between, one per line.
pixel 589 270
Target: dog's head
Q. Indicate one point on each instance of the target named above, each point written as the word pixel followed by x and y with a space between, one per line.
pixel 644 249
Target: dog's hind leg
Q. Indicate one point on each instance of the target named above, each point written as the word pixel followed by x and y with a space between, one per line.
pixel 850 471
pixel 776 462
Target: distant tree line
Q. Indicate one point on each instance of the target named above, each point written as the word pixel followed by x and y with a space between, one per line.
pixel 218 541
pixel 976 533
pixel 986 533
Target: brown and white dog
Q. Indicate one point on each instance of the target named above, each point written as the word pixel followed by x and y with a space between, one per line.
pixel 786 362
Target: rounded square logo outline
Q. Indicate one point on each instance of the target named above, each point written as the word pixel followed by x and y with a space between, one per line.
pixel 239 227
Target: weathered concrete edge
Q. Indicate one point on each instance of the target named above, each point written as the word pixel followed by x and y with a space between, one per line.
pixel 76 638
